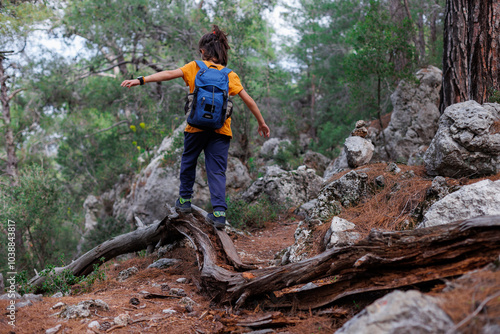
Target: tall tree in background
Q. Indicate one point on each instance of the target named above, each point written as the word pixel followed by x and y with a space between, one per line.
pixel 471 67
pixel 17 20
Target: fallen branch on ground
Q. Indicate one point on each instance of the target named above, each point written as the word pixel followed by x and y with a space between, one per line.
pixel 382 261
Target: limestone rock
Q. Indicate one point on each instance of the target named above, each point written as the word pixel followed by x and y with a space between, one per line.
pixel 237 176
pixel 125 274
pixel 272 146
pixel 292 188
pixel 316 161
pixel 414 119
pixel 82 309
pixel 338 165
pixel 346 191
pixel 164 263
pixel 122 319
pixel 359 151
pixel 409 312
pixel 477 199
pixel 339 234
pixel 299 250
pixel 466 144
pixel 360 129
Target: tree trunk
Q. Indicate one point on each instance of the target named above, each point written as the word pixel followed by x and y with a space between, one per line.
pixel 10 147
pixel 471 69
pixel 383 261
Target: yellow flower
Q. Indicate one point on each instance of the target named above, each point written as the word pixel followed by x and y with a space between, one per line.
pixel 132 127
pixel 134 143
pixel 142 125
pixel 139 148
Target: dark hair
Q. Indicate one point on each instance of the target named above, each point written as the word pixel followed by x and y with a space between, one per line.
pixel 215 46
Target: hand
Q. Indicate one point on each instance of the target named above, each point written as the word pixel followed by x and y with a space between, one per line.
pixel 264 130
pixel 130 83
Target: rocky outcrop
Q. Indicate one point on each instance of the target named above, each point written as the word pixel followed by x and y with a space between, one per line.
pixel 336 166
pixel 272 146
pixel 316 161
pixel 344 192
pixel 414 119
pixel 478 199
pixel 340 233
pixel 400 312
pixel 301 247
pixel 291 188
pixel 357 151
pixel 467 143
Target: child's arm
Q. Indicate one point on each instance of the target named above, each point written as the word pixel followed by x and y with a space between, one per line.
pixel 160 76
pixel 263 128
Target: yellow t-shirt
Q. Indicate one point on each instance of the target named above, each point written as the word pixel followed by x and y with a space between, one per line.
pixel 189 70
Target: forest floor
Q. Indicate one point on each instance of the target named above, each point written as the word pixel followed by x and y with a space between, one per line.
pixel 139 298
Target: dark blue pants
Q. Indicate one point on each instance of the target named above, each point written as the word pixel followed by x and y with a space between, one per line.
pixel 216 147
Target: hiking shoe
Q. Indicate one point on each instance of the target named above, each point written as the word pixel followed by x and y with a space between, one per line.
pixel 184 205
pixel 218 219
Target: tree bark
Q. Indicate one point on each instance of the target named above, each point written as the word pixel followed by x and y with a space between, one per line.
pixel 381 262
pixel 471 69
pixel 10 147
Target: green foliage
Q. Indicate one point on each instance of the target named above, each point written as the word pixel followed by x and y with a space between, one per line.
pixel 287 156
pixel 382 53
pixel 244 216
pixel 61 282
pixel 17 20
pixel 331 138
pixel 494 96
pixel 39 206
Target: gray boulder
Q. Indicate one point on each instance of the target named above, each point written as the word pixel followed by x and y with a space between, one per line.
pixel 336 166
pixel 359 151
pixel 316 161
pixel 299 250
pixel 292 188
pixel 164 263
pixel 237 175
pixel 467 143
pixel 272 146
pixel 346 191
pixel 414 119
pixel 340 233
pixel 400 312
pixel 478 199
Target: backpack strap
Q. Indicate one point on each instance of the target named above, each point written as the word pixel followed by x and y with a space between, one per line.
pixel 201 65
pixel 226 70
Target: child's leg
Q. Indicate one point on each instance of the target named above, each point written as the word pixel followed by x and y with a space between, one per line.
pixel 216 153
pixel 193 145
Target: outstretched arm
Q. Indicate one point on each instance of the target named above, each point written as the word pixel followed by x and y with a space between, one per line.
pixel 250 103
pixel 160 76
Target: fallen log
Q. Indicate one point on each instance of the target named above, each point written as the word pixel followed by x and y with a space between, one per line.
pixel 126 243
pixel 382 261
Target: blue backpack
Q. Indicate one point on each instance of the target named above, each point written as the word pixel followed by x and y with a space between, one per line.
pixel 208 107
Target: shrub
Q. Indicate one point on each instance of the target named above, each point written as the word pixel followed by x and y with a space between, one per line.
pixel 245 216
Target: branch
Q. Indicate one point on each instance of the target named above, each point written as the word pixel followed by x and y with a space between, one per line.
pixel 86 75
pixel 473 314
pixel 14 93
pixel 109 128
